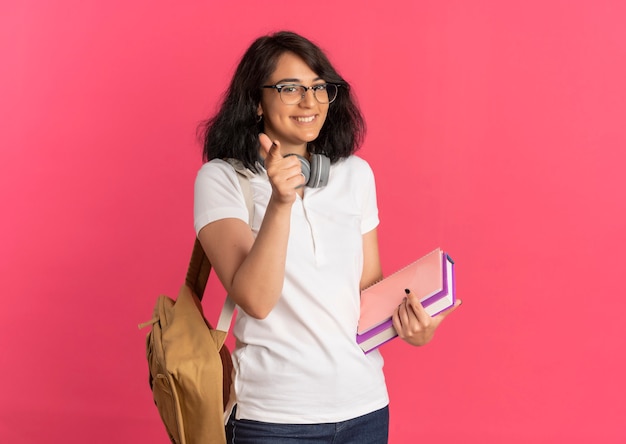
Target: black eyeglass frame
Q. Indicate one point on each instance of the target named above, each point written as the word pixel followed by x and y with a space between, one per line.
pixel 279 87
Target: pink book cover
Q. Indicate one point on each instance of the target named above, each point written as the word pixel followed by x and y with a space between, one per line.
pixel 424 277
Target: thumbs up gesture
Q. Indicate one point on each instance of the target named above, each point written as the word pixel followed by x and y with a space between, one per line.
pixel 284 172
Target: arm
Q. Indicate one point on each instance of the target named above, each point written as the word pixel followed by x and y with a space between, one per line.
pixel 372 270
pixel 252 271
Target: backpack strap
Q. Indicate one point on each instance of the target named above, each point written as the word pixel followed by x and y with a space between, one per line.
pixel 198 270
pixel 199 265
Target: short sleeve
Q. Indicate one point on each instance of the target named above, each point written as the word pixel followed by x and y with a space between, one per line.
pixel 369 219
pixel 217 195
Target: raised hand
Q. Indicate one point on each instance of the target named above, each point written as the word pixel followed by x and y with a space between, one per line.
pixel 285 173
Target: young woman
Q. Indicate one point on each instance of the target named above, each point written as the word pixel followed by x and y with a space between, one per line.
pixel 297 271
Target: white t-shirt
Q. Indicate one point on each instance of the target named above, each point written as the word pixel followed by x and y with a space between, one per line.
pixel 301 364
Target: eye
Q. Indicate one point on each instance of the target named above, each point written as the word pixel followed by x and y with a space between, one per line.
pixel 289 89
pixel 321 87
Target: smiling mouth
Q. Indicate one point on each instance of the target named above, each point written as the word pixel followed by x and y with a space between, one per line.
pixel 308 119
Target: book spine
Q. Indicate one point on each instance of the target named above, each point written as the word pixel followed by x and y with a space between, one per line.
pixel 382 337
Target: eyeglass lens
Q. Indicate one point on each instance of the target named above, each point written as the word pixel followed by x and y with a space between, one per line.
pixel 292 94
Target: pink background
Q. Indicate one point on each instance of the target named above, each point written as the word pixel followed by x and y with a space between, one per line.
pixel 496 130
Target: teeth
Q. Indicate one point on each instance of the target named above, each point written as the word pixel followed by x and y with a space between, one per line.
pixel 305 119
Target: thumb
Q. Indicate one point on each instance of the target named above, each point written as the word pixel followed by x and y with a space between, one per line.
pixel 269 148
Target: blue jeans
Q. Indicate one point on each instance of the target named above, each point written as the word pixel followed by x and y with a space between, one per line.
pixel 372 428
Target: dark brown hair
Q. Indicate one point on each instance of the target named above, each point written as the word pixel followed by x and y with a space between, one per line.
pixel 233 131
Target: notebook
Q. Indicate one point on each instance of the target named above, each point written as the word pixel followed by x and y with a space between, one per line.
pixel 430 278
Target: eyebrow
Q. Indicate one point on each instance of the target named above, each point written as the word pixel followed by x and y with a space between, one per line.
pixel 295 80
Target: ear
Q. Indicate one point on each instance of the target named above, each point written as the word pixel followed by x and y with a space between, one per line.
pixel 259 109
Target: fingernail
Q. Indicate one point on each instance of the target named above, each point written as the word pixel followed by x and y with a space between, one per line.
pixel 407 291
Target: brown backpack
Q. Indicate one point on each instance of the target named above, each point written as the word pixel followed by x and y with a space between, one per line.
pixel 190 368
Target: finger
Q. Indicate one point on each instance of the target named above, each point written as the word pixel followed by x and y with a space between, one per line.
pixel 400 319
pixel 266 142
pixel 403 314
pixel 417 307
pixel 395 321
pixel 273 151
pixel 270 150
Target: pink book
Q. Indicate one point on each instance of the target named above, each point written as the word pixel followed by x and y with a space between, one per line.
pixel 430 278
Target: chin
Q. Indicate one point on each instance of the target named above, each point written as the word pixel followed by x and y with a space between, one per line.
pixel 311 137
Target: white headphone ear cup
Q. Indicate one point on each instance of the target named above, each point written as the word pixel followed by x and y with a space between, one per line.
pixel 315 173
pixel 320 170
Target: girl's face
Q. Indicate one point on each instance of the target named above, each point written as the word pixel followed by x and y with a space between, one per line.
pixel 293 125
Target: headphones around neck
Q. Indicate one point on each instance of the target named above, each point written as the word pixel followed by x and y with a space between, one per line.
pixel 316 172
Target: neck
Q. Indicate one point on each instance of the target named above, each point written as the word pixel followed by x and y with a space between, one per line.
pixel 300 149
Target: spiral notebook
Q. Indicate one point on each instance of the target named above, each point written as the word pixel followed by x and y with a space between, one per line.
pixel 430 278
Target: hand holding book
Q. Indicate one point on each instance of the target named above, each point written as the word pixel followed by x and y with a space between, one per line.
pixel 414 324
pixel 385 306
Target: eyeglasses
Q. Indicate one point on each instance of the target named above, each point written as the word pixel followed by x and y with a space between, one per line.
pixel 292 94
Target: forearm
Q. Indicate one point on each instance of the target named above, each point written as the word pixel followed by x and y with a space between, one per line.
pixel 258 282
